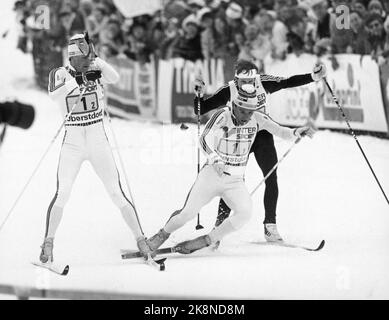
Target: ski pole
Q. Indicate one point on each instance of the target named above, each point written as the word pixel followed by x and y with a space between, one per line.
pixel 355 137
pixel 198 226
pixel 42 158
pixel 275 166
pixel 123 168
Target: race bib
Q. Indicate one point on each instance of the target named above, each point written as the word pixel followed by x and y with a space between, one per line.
pixel 237 148
pixel 88 103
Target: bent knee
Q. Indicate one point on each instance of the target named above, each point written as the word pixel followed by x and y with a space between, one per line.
pixel 246 212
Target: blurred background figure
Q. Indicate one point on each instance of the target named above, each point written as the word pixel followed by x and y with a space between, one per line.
pixel 21 12
pixel 138 43
pixel 96 22
pixel 112 39
pixel 188 44
pixel 359 43
pixel 376 39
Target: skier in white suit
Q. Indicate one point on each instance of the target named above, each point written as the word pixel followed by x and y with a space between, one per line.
pixel 226 141
pixel 85 137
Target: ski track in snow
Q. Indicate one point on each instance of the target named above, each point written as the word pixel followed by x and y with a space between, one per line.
pixel 326 192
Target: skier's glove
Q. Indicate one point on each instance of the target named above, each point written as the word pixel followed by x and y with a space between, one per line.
pixel 199 87
pixel 217 163
pixel 93 75
pixel 319 72
pixel 80 78
pixel 304 131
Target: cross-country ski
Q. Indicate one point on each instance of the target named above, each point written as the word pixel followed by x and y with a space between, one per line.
pixel 59 269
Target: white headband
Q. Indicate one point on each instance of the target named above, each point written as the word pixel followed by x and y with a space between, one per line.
pixel 74 51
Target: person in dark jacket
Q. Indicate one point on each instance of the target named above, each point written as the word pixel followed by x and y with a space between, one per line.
pixel 376 34
pixel 359 43
pixel 188 45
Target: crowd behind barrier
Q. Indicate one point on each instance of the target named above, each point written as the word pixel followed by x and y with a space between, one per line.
pixel 216 32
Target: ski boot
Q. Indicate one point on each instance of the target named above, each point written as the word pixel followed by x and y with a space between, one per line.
pixel 143 247
pixel 157 240
pixel 46 255
pixel 193 245
pixel 271 233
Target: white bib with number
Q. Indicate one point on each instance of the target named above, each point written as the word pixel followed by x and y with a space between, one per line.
pixel 89 109
pixel 235 144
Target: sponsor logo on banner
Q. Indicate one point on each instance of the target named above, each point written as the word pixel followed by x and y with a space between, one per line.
pixel 349 96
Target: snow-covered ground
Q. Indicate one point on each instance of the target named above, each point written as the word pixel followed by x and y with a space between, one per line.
pixel 326 192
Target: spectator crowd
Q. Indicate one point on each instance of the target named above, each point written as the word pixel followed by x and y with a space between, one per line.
pixel 204 29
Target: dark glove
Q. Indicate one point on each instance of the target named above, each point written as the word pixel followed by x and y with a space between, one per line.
pixel 199 87
pixel 93 75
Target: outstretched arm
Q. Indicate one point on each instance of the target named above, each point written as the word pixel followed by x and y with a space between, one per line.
pixel 218 99
pixel 273 84
pixel 265 122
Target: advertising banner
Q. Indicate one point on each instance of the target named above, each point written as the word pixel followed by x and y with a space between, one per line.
pixel 356 83
pixel 134 96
